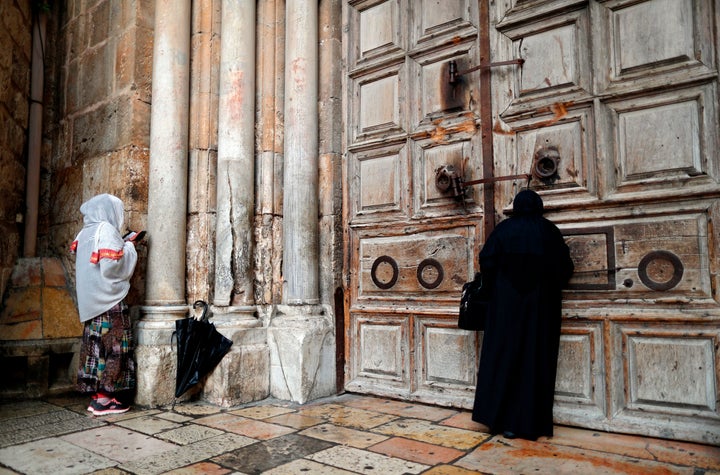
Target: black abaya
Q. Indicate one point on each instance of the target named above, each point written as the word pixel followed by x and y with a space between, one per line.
pixel 527 262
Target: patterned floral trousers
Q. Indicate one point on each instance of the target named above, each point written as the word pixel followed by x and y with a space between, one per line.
pixel 106 357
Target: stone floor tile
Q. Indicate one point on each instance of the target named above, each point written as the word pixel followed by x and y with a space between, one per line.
pixel 415 451
pixel 52 456
pixel 117 443
pixel 296 421
pixel 262 412
pixel 402 409
pixel 670 451
pixel 196 409
pixel 305 467
pixel 172 416
pixel 347 416
pixel 262 430
pixel 148 424
pixel 7 471
pixel 425 431
pixel 111 471
pixel 224 421
pixel 450 470
pixel 189 434
pixel 344 435
pixel 362 461
pixel 509 457
pixel 49 424
pixel 202 468
pixel 131 414
pixel 189 454
pixel 14 410
pixel 257 458
pixel 464 420
pixel 247 427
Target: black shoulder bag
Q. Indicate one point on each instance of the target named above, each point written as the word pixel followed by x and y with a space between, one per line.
pixel 473 304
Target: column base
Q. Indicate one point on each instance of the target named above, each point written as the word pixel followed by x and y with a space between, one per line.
pixel 155 356
pixel 302 353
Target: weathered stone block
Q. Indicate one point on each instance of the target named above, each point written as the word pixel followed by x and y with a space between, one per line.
pixel 242 376
pixel 99 23
pixel 156 369
pixel 27 272
pixel 53 272
pixel 301 355
pixel 60 316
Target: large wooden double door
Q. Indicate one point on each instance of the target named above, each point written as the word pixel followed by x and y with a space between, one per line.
pixel 615 108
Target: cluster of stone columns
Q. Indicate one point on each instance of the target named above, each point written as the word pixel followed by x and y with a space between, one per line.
pixel 293 358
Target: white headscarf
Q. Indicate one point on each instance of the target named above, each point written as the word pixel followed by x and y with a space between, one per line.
pixel 104 262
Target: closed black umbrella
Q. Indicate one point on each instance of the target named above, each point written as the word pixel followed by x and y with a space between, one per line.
pixel 200 347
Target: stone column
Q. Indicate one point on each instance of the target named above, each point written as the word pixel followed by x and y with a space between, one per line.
pixel 301 337
pixel 242 374
pixel 300 199
pixel 236 155
pixel 167 203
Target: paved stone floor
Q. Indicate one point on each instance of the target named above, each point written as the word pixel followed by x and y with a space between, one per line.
pixel 345 434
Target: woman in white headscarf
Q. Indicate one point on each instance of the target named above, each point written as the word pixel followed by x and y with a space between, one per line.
pixel 103 267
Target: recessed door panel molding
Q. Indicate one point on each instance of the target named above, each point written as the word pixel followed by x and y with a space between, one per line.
pixel 448 362
pixel 378 101
pixel 580 381
pixel 430 156
pixel 440 21
pixel 556 64
pixel 662 258
pixel 662 138
pixel 565 132
pixel 655 42
pixel 416 267
pixel 443 108
pixel 375 28
pixel 380 350
pixel 379 178
pixel 671 371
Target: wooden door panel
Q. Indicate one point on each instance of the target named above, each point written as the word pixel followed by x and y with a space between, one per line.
pixel 447 361
pixel 379 103
pixel 413 269
pixel 377 182
pixel 659 139
pixel 380 350
pixel 375 32
pixel 660 257
pixel 581 366
pixel 653 43
pixel 459 150
pixel 670 373
pixel 436 21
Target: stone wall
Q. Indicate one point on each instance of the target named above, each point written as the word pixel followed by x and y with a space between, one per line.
pixel 101 126
pixel 16 38
pixel 96 138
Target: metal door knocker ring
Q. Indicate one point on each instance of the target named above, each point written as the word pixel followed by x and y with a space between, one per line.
pixel 373 272
pixel 438 268
pixel 654 265
pixel 545 163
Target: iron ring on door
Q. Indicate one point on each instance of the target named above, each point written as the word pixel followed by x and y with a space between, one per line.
pixel 438 268
pixel 657 258
pixel 373 272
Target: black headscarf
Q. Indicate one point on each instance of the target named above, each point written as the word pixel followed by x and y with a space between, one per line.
pixel 527 202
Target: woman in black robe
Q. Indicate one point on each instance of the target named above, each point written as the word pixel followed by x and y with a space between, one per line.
pixel 526 263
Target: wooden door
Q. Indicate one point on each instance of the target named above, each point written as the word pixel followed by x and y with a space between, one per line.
pixel 410 246
pixel 623 97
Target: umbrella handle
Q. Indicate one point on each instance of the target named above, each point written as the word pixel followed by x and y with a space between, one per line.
pixel 204 305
